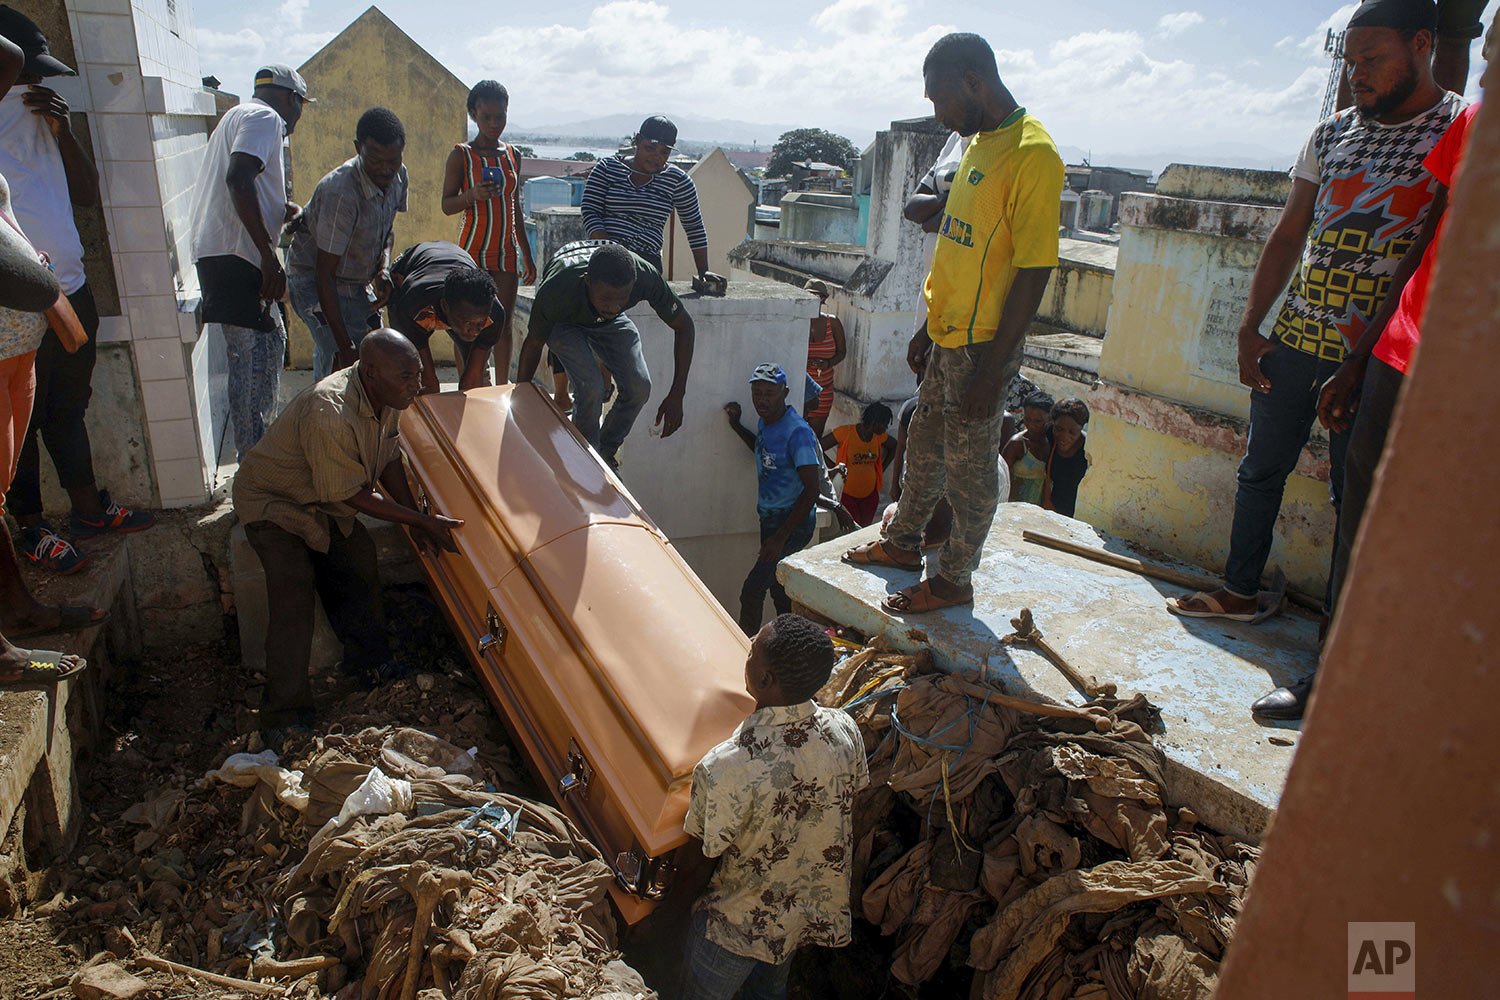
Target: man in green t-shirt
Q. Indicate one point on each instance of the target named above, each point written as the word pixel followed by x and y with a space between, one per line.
pixel 579 314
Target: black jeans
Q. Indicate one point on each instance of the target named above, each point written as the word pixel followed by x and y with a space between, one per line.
pixel 1372 422
pixel 762 576
pixel 64 384
pixel 1280 423
pixel 348 581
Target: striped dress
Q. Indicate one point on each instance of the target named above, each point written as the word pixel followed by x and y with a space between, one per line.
pixel 821 349
pixel 489 231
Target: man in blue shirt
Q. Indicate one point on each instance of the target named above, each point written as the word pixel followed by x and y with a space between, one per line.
pixel 787 463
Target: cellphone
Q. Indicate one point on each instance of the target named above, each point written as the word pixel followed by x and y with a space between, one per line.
pixel 493 174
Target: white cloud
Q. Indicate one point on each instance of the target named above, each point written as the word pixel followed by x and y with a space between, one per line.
pixel 1176 24
pixel 629 55
pixel 1312 43
pixel 292 12
pixel 859 17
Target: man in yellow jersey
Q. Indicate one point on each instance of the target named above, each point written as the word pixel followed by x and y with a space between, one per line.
pixel 997 245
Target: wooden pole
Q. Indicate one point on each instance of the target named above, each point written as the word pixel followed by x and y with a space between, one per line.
pixel 1192 581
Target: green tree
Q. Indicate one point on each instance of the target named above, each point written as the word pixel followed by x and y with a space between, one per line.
pixel 809 144
pixel 583 156
pixel 525 151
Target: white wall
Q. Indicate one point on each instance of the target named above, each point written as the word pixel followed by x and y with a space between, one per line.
pixel 699 485
pixel 138 81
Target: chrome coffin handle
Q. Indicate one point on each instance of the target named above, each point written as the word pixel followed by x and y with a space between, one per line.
pixel 496 634
pixel 579 773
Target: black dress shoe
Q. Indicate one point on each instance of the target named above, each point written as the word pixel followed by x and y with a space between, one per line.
pixel 1285 703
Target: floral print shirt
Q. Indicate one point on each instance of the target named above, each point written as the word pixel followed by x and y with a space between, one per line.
pixel 775 801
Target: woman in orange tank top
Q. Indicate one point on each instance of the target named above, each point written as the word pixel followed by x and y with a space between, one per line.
pixel 825 349
pixel 482 180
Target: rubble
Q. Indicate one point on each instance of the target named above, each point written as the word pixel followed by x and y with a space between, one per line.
pixel 399 853
pixel 1028 847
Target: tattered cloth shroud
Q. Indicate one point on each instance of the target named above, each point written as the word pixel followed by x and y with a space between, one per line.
pixel 1047 859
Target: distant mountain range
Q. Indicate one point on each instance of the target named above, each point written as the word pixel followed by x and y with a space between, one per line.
pixel 702 133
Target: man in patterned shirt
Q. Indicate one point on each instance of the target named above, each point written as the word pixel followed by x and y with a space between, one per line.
pixel 1359 198
pixel 773 805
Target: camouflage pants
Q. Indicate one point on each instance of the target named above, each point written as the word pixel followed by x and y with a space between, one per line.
pixel 948 455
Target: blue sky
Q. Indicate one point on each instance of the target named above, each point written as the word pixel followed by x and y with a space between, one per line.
pixel 1192 80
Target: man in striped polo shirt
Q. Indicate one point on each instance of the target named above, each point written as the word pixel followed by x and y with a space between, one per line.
pixel 630 199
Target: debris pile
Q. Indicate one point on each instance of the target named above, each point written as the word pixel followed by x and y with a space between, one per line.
pixel 378 861
pixel 1030 843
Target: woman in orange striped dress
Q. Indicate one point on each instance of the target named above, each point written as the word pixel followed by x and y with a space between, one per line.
pixel 482 180
pixel 825 349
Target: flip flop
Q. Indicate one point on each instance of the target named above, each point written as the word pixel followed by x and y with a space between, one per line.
pixel 876 554
pixel 1215 609
pixel 919 600
pixel 69 619
pixel 46 666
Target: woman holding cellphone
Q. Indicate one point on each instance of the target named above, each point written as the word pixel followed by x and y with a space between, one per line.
pixel 482 181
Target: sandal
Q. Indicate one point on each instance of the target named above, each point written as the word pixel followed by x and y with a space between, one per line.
pixel 69 619
pixel 919 599
pixel 46 666
pixel 877 554
pixel 1215 609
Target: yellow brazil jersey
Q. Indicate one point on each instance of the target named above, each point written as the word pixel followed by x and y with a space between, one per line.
pixel 1002 215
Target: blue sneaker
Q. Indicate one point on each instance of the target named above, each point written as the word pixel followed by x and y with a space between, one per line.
pixel 115 520
pixel 49 550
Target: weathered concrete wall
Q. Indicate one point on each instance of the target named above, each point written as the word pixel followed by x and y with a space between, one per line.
pixel 1170 421
pixel 427 98
pixel 818 216
pixel 117 429
pixel 714 524
pixel 556 227
pixel 1080 290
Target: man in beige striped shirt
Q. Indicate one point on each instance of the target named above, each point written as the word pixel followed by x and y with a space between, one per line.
pixel 331 455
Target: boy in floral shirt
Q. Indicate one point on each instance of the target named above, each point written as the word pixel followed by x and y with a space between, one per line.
pixel 773 804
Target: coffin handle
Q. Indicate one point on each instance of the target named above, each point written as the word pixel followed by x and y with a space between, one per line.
pixel 579 773
pixel 496 634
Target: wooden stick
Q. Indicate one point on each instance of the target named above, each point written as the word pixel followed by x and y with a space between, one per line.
pixel 163 965
pixel 1192 581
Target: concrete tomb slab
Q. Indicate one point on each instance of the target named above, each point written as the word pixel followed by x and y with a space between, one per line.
pixel 1111 623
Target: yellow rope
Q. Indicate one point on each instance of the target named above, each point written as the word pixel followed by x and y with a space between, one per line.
pixel 959 843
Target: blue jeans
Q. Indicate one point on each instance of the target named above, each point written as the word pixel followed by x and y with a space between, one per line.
pixel 715 973
pixel 617 346
pixel 255 358
pixel 1280 422
pixel 762 576
pixel 354 307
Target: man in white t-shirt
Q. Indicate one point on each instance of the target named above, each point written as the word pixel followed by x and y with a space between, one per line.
pixel 925 206
pixel 49 173
pixel 239 212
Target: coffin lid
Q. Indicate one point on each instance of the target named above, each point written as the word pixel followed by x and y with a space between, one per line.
pixel 633 623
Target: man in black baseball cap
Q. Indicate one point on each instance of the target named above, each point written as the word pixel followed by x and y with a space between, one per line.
pixel 40 62
pixel 659 129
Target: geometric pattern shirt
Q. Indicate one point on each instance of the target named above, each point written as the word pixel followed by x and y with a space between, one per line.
pixel 775 802
pixel 1373 196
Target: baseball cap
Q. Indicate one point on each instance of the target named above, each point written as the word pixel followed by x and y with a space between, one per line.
pixel 768 373
pixel 33 44
pixel 277 75
pixel 659 128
